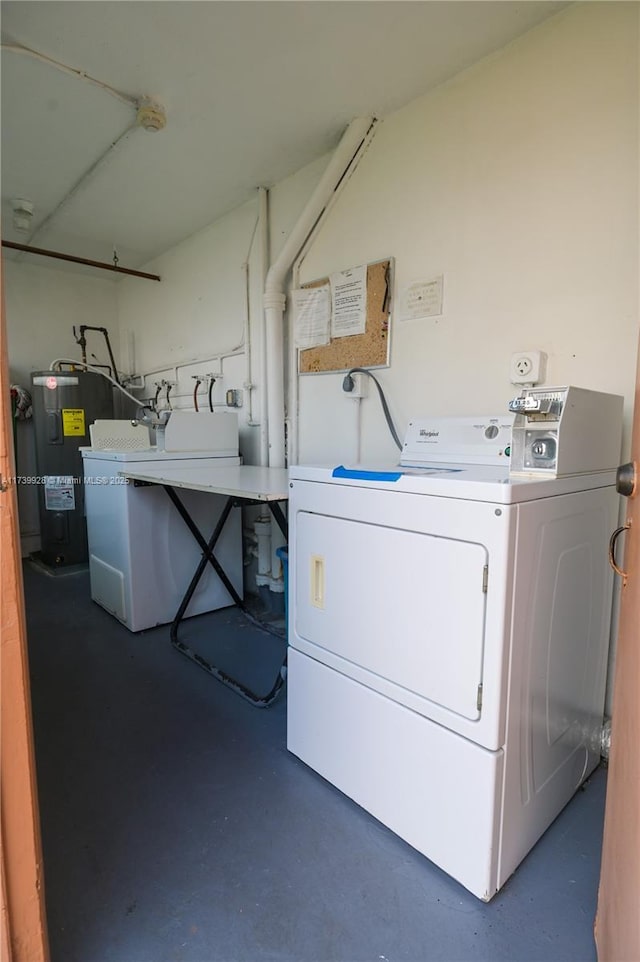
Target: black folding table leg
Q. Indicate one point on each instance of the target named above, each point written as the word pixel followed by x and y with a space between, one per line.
pixel 260 701
pixel 281 521
pixel 207 549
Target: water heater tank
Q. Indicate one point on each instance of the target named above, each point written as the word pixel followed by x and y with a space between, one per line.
pixel 64 405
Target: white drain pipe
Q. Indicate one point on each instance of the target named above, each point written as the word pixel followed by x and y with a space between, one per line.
pixel 274 297
pixel 262 528
pixel 263 256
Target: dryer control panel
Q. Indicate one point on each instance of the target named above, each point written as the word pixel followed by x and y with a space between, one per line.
pixel 483 439
pixel 563 431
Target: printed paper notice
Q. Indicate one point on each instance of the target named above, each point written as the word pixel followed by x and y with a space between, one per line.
pixel 422 299
pixel 59 493
pixel 349 302
pixel 311 316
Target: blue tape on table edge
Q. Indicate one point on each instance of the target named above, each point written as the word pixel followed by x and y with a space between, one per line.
pixel 342 472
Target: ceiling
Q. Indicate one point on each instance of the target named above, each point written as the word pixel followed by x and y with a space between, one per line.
pixel 253 91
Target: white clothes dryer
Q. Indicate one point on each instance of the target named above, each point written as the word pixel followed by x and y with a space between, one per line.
pixel 449 629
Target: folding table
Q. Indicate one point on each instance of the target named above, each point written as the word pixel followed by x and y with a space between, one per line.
pixel 241 485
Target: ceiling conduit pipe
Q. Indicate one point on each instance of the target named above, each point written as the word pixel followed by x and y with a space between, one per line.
pixel 274 299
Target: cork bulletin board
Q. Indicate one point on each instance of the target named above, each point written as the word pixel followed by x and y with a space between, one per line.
pixel 370 349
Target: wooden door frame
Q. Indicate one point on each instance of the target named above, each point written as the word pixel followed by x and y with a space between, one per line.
pixel 617 926
pixel 23 931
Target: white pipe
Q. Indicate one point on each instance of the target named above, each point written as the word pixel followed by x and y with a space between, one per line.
pixel 273 315
pixel 132 351
pixel 95 370
pixel 82 180
pixel 293 396
pixel 263 254
pixel 274 297
pixel 174 368
pixel 249 386
pixel 80 74
pixel 262 529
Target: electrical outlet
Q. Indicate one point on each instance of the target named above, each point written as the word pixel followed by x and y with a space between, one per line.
pixel 360 386
pixel 527 367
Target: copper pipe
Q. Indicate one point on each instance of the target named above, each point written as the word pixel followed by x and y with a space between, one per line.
pixel 78 260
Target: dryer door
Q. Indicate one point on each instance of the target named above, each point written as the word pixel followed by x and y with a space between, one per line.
pixel 400 610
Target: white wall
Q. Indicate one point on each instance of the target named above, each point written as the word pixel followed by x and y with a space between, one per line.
pixel 42 306
pixel 518 181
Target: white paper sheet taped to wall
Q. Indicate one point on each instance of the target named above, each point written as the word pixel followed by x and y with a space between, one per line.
pixel 349 302
pixel 312 316
pixel 422 298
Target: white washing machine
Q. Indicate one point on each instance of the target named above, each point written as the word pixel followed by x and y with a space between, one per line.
pixel 141 553
pixel 449 628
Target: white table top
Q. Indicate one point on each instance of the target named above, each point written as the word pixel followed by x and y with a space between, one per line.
pixel 241 481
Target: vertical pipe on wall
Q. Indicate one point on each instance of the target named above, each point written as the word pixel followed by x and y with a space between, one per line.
pixel 263 255
pixel 293 394
pixel 274 303
pixel 246 336
pixel 274 297
pixel 131 344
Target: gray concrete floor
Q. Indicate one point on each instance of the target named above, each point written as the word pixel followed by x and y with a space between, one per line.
pixel 176 826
